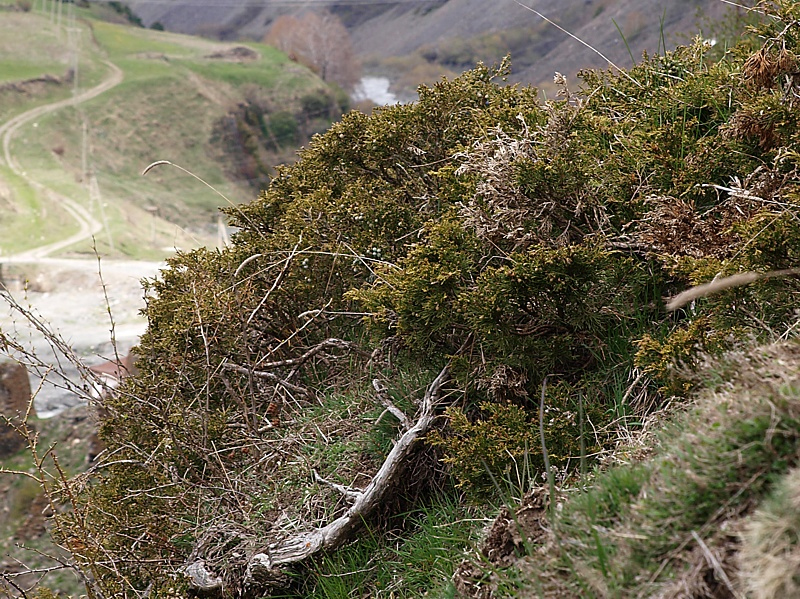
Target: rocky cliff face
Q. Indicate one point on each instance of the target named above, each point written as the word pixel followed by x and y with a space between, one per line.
pixel 15 396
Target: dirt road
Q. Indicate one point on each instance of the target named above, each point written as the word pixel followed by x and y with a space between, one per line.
pixel 77 298
pixel 87 223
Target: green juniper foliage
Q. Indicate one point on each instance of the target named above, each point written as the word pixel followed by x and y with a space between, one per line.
pixel 513 238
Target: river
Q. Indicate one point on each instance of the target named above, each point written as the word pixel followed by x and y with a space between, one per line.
pixel 375 89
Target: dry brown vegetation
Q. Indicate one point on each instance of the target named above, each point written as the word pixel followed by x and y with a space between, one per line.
pixel 319 41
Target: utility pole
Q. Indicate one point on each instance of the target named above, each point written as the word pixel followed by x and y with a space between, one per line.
pixel 76 59
pixel 74 49
pixel 153 210
pixel 96 197
pixel 85 149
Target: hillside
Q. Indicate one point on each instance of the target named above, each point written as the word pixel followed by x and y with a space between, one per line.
pixel 481 345
pixel 418 41
pixel 464 317
pixel 209 107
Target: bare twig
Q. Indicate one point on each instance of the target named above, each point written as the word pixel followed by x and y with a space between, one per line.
pixel 268 376
pixel 244 263
pixel 296 332
pixel 327 343
pixel 737 280
pixel 264 368
pixel 383 397
pixel 579 40
pixel 747 8
pixel 60 349
pixel 278 280
pixel 152 165
pixel 719 571
pixel 346 491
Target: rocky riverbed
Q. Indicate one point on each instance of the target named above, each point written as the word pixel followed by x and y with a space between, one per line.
pixel 68 297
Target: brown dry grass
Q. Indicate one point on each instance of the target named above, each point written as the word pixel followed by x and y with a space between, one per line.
pixel 769 559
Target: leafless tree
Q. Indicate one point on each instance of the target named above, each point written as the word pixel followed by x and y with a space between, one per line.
pixel 321 42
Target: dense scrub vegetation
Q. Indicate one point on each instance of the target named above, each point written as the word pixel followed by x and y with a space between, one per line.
pixel 517 242
pixel 258 132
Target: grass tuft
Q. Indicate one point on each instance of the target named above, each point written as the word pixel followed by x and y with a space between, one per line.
pixel 643 528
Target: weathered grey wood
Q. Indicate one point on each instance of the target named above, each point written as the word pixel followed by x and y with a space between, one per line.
pixel 383 397
pixel 202 580
pixel 264 568
pixel 298 547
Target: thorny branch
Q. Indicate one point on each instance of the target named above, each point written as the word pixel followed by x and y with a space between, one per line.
pixel 264 368
pixel 328 343
pixel 268 376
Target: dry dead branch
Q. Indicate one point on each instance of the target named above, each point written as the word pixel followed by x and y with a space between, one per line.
pixel 326 344
pixel 262 374
pixel 737 280
pixel 265 566
pixel 264 369
pixel 383 397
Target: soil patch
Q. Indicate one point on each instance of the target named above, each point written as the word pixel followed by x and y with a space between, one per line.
pixel 36 86
pixel 235 54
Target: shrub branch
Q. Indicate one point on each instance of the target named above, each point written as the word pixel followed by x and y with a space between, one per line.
pixel 265 566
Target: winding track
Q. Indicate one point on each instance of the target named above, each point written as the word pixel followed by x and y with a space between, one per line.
pixel 87 223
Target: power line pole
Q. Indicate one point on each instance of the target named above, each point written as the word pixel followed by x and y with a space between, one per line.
pixel 85 149
pixel 74 45
pixel 96 197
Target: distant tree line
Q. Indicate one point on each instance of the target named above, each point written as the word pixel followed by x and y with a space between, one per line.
pixel 125 11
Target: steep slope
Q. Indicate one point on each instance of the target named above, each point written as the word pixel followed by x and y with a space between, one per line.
pixel 42 74
pixel 520 248
pixel 390 30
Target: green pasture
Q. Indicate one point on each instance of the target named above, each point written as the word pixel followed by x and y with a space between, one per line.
pixel 172 96
pixel 29 221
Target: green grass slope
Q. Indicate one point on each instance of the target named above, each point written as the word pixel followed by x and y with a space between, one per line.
pixel 176 90
pixel 705 507
pixel 34 71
